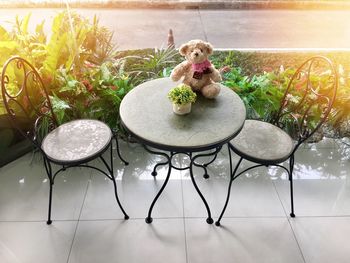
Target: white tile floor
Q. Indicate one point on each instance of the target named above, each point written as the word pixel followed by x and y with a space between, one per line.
pixel 89 227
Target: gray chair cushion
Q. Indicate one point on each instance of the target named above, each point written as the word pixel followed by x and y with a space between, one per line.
pixel 262 142
pixel 77 141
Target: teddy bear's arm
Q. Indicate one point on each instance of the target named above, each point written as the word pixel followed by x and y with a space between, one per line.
pixel 215 75
pixel 180 70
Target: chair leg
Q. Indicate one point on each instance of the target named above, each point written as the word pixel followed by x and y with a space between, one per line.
pixel 291 167
pixel 126 217
pixel 49 174
pixel 49 221
pixel 232 177
pixel 118 151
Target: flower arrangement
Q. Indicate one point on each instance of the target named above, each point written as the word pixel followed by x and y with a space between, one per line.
pixel 182 94
pixel 182 98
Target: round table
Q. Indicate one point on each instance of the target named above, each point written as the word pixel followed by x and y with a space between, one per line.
pixel 146 113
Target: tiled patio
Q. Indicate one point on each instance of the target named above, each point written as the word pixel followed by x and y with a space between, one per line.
pixel 88 225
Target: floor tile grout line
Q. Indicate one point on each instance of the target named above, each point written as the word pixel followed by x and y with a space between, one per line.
pixel 173 218
pixel 280 199
pixel 81 210
pixel 184 218
pixel 202 24
pixel 289 223
pixel 295 237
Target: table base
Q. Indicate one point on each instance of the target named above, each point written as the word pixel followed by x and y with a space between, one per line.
pixel 168 162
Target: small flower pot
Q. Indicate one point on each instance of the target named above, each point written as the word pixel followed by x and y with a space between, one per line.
pixel 182 109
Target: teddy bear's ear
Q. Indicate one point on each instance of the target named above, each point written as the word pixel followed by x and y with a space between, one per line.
pixel 209 48
pixel 183 49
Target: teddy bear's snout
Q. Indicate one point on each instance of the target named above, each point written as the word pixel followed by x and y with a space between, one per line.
pixel 197 56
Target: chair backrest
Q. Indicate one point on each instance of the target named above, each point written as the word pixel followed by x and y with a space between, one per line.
pixel 26 100
pixel 308 98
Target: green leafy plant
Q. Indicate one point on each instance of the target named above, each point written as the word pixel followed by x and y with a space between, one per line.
pixel 154 65
pixel 340 115
pixel 97 94
pixel 261 94
pixel 182 94
pixel 77 64
pixel 99 42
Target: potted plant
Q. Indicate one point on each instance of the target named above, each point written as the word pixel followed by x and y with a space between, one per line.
pixel 182 98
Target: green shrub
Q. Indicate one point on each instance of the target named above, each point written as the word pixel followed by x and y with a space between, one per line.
pixel 153 64
pixel 77 64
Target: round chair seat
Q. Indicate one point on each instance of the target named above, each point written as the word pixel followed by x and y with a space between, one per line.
pixel 77 141
pixel 262 142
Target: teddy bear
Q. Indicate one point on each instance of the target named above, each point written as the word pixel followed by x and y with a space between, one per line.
pixel 197 70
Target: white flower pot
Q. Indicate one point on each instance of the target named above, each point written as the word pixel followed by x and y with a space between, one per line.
pixel 182 109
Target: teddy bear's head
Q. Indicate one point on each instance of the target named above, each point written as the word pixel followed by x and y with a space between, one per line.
pixel 196 51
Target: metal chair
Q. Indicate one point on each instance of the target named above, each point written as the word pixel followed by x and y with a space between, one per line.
pixel 305 106
pixel 72 144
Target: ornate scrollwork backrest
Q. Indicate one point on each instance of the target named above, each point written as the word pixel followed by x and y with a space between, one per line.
pixel 26 100
pixel 308 98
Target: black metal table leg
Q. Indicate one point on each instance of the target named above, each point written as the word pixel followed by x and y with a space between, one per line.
pixel 205 165
pixel 154 173
pixel 193 159
pixel 209 219
pixel 168 162
pixel 149 218
pixel 232 178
